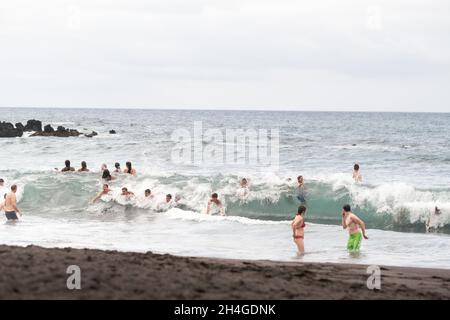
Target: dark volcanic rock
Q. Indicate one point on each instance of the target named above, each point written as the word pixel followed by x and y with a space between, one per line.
pixel 60 132
pixel 7 130
pixel 112 131
pixel 33 125
pixel 20 126
pixel 92 134
pixel 48 129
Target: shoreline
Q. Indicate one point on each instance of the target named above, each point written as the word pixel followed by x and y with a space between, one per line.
pixel 34 272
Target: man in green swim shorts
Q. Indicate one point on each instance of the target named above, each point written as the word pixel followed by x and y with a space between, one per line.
pixel 356 228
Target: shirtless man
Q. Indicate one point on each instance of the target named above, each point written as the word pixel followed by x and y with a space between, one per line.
pixel 167 204
pixel 104 191
pixel 214 201
pixel 127 194
pixel 10 206
pixel 148 193
pixel 84 167
pixel 298 229
pixel 356 228
pixel 356 174
pixel 67 167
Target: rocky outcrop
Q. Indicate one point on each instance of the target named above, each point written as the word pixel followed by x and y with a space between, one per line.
pixel 7 130
pixel 59 132
pixel 33 125
pixel 90 135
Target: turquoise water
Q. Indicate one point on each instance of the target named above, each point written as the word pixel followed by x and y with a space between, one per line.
pixel 404 159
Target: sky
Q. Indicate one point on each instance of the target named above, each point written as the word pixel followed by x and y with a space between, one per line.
pixel 321 55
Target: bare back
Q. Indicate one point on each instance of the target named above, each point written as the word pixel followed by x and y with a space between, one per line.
pixel 10 202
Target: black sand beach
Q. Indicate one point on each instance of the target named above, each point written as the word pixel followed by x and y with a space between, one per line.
pixel 40 273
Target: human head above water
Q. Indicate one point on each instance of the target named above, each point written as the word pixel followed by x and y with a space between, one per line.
pixel 147 192
pixel 2 181
pixel 83 164
pixel 106 174
pixel 13 188
pixel 347 208
pixel 214 195
pixel 67 163
pixel 117 165
pixel 301 210
pixel 129 167
pixel 168 197
pixel 356 167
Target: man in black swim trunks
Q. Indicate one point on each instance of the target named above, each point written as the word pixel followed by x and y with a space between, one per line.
pixel 11 210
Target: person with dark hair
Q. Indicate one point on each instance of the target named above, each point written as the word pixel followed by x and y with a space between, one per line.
pixel 298 229
pixel 117 168
pixel 127 194
pixel 148 193
pixel 301 193
pixel 107 175
pixel 84 167
pixel 215 205
pixel 2 182
pixel 10 206
pixel 356 228
pixel 67 167
pixel 129 169
pixel 356 174
pixel 105 190
pixel 167 204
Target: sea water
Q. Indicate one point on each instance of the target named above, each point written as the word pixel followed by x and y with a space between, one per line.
pixel 404 159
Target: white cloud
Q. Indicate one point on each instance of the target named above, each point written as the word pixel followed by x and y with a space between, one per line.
pixel 319 55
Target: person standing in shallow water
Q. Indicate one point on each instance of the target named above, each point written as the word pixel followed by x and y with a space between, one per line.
pixel 12 212
pixel 301 193
pixel 298 229
pixel 356 229
pixel 356 174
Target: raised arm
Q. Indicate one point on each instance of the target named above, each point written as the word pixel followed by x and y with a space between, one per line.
pixel 98 196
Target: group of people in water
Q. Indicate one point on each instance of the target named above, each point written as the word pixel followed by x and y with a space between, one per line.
pixel 350 221
pixel 355 226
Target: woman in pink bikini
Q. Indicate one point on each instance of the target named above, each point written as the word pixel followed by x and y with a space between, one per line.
pixel 298 229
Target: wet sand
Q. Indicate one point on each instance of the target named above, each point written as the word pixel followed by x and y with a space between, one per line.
pixel 40 273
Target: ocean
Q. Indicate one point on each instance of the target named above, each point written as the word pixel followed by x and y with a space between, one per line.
pixel 404 159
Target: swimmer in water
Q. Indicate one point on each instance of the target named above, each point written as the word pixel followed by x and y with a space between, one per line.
pixel 129 169
pixel 148 193
pixel 214 201
pixel 301 193
pixel 356 174
pixel 429 222
pixel 67 167
pixel 2 182
pixel 356 229
pixel 2 204
pixel 106 190
pixel 298 229
pixel 84 167
pixel 107 175
pixel 117 168
pixel 244 188
pixel 127 194
pixel 167 204
pixel 103 167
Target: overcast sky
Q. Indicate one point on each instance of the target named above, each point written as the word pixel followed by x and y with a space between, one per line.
pixel 253 54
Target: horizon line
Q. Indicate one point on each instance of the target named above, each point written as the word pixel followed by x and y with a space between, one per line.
pixel 216 109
